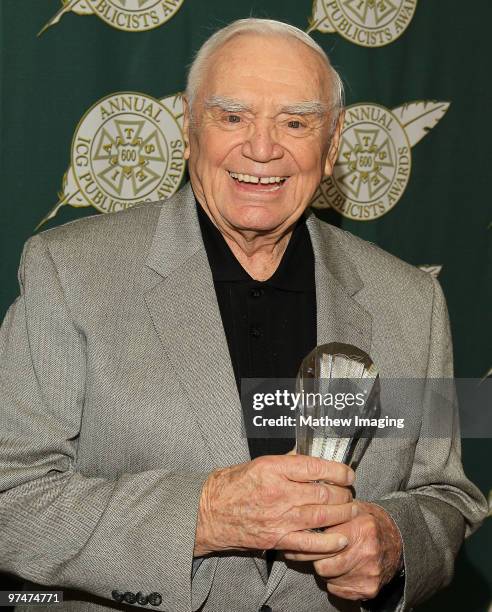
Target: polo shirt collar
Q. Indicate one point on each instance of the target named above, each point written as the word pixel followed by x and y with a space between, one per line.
pixel 294 273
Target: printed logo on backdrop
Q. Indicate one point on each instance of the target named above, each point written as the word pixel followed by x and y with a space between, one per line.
pixel 434 269
pixel 368 23
pixel 128 148
pixel 126 15
pixel 375 158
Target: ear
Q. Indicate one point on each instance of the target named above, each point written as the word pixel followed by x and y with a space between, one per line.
pixel 186 127
pixel 331 158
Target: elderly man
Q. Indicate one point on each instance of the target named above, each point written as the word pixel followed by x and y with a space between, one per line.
pixel 125 477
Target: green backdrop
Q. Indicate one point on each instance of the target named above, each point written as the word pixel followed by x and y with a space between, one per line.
pixel 434 55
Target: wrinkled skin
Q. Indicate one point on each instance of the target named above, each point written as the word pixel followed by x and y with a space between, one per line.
pixel 271 502
pixel 368 562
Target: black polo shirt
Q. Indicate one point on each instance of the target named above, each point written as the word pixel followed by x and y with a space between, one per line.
pixel 270 326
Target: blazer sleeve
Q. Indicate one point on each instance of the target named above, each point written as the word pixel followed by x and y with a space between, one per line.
pixel 440 506
pixel 58 526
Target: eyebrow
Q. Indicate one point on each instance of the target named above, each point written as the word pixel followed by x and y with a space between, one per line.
pixel 311 107
pixel 226 104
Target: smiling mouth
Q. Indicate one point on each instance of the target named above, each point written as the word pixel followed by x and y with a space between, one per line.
pixel 258 183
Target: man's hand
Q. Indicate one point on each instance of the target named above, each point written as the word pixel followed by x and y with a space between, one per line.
pixel 370 559
pixel 272 502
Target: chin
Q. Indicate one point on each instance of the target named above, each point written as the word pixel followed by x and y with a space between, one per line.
pixel 256 218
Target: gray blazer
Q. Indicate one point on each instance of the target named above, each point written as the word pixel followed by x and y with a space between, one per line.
pixel 117 398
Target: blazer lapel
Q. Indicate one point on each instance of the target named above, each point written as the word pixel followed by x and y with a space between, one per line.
pixel 340 318
pixel 184 309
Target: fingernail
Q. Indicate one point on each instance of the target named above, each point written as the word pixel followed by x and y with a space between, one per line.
pixel 355 510
pixel 350 477
pixel 342 542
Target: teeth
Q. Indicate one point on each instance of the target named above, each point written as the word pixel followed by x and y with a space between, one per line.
pixel 264 180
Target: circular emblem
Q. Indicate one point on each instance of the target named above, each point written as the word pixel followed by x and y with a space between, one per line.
pixel 370 23
pixel 128 148
pixel 135 15
pixel 373 165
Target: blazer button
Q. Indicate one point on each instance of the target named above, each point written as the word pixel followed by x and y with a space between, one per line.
pixel 265 609
pixel 130 597
pixel 142 599
pixel 155 599
pixel 117 595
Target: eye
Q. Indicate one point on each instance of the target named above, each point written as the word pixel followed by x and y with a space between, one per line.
pixel 233 118
pixel 294 124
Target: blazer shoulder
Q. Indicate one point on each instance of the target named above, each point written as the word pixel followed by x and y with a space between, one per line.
pixel 373 263
pixel 104 250
pixel 386 280
pixel 110 228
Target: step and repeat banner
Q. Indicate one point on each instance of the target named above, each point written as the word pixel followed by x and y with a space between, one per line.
pixel 91 123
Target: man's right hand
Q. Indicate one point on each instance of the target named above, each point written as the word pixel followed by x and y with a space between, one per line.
pixel 272 502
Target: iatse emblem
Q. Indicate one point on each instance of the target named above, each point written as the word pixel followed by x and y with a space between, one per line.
pixel 375 160
pixel 368 23
pixel 127 15
pixel 128 148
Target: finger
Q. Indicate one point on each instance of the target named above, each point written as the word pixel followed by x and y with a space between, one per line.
pixel 316 516
pixel 344 592
pixel 297 494
pixel 303 468
pixel 311 542
pixel 354 587
pixel 336 566
pixel 298 556
pixel 319 493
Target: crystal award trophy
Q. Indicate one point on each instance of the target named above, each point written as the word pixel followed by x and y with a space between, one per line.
pixel 339 391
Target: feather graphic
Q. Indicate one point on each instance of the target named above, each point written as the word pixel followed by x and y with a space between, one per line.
pixel 418 118
pixel 434 269
pixel 81 7
pixel 69 195
pixel 174 105
pixel 319 20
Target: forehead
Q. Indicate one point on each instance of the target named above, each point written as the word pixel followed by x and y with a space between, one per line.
pixel 274 67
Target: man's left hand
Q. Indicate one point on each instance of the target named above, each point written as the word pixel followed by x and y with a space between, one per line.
pixel 368 562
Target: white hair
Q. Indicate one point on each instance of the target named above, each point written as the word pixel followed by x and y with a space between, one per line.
pixel 261 27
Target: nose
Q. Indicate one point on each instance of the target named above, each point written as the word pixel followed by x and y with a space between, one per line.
pixel 260 144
